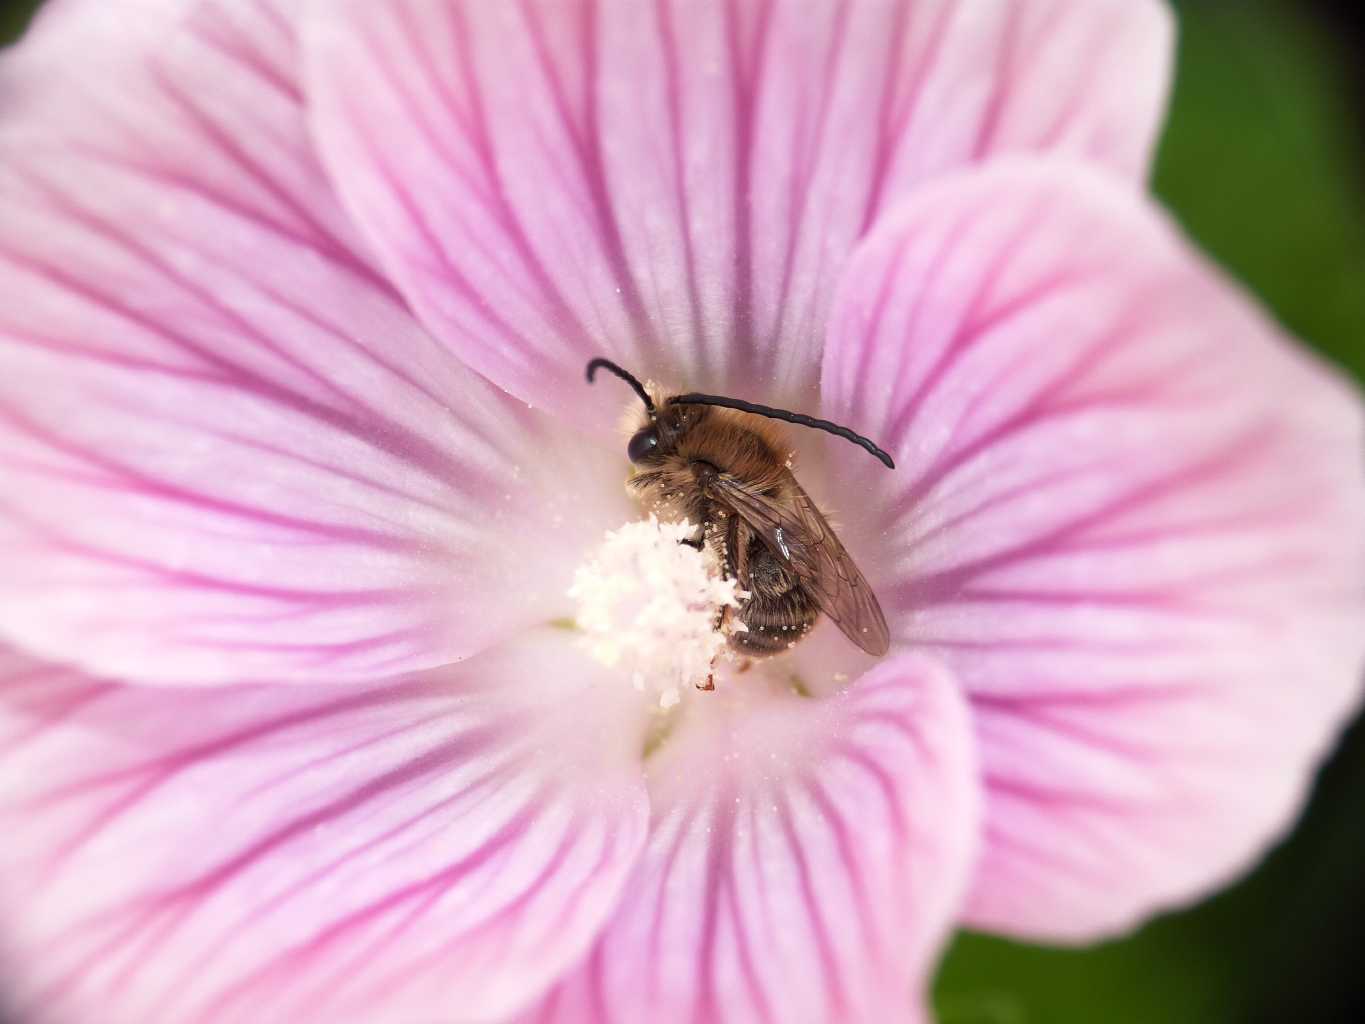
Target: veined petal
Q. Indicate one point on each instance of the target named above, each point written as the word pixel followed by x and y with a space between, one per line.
pixel 1126 513
pixel 677 183
pixel 804 863
pixel 303 853
pixel 227 450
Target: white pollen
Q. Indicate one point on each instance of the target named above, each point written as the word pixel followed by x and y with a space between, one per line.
pixel 648 604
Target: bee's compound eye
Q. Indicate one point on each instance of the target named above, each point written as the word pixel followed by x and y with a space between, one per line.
pixel 643 444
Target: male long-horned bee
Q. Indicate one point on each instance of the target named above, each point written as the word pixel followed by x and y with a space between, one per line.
pixel 720 462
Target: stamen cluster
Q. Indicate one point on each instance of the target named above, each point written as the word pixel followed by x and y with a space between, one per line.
pixel 650 604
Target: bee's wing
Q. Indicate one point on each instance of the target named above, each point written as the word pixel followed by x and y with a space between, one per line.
pixel 799 535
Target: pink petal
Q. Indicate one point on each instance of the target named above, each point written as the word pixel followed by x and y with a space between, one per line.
pixel 1126 513
pixel 804 862
pixel 677 184
pixel 296 853
pixel 228 451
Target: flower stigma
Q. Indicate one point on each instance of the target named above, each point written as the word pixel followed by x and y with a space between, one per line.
pixel 649 604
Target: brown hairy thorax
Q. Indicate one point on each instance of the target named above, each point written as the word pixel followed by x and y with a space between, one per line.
pixel 750 447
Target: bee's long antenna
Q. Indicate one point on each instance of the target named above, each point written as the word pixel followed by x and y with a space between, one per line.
pixel 791 417
pixel 606 364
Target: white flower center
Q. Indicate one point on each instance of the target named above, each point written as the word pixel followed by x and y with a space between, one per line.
pixel 649 605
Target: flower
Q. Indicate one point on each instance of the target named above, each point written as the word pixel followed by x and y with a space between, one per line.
pixel 299 470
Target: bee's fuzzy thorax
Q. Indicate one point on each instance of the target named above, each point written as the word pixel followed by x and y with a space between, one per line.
pixel 741 444
pixel 752 447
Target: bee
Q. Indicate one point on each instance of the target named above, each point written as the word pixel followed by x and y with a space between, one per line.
pixel 721 463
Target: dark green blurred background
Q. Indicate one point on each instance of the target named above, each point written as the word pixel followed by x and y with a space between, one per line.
pixel 1264 163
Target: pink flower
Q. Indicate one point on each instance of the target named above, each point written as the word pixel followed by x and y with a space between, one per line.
pixel 299 467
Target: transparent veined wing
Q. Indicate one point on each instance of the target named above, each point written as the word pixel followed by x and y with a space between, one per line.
pixel 796 531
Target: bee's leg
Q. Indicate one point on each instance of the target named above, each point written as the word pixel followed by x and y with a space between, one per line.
pixel 696 542
pixel 731 547
pixel 710 683
pixel 744 665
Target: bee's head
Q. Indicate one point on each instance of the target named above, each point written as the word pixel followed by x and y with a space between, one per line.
pixel 657 437
pixel 661 432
